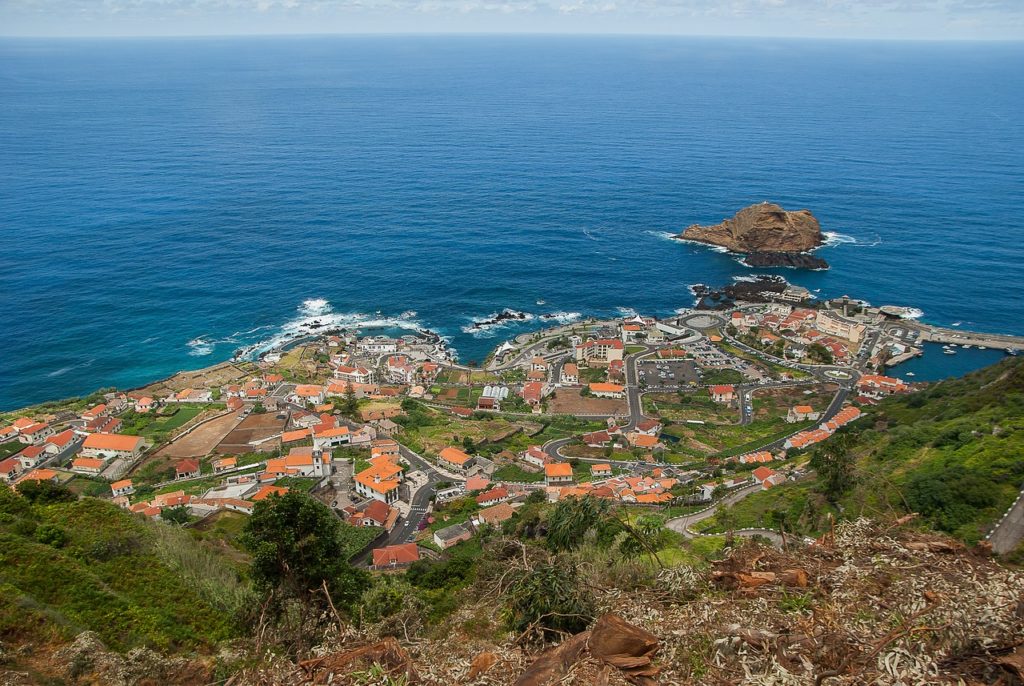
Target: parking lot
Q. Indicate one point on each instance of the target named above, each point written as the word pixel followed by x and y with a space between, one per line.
pixel 668 372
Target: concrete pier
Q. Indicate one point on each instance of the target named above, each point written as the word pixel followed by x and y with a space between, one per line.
pixel 937 334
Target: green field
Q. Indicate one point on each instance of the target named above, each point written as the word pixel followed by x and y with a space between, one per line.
pixel 796 507
pixel 725 440
pixel 151 425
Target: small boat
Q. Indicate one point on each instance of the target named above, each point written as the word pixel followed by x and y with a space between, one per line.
pixel 1011 351
pixel 949 351
pixel 981 347
pixel 965 346
pixel 911 374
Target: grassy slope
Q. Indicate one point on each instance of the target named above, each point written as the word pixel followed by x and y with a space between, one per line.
pixel 954 453
pixel 117 575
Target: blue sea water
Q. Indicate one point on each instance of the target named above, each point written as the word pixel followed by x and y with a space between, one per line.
pixel 164 202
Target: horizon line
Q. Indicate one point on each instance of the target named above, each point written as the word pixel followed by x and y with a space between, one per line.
pixel 551 34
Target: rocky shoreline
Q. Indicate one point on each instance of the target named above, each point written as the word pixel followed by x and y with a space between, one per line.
pixel 797 260
pixel 724 298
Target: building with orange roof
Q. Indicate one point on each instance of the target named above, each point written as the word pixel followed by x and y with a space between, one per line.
pixel 41 475
pixel 122 488
pixel 10 469
pixel 108 446
pixel 87 465
pixel 187 469
pixel 225 464
pixel 307 393
pixel 756 458
pixel 600 470
pixel 395 556
pixel 454 459
pixel 645 441
pixel 801 413
pixel 268 491
pixel 61 441
pixel 494 515
pixel 331 438
pixel 31 455
pixel 35 432
pixel 558 474
pixel 722 393
pixel 296 435
pixel 381 480
pixel 600 351
pixel 606 390
pixel 492 497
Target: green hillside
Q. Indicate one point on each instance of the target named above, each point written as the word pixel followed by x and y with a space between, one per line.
pixel 953 453
pixel 71 566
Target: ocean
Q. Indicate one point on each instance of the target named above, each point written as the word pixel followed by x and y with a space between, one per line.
pixel 165 202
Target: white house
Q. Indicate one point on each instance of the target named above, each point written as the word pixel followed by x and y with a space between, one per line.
pixel 535 456
pixel 570 374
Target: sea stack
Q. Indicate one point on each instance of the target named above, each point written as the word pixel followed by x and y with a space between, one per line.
pixel 768 235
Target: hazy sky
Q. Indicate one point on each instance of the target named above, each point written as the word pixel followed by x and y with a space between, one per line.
pixel 910 19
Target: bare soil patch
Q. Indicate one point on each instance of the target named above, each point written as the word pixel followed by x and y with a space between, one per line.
pixel 255 427
pixel 569 401
pixel 200 441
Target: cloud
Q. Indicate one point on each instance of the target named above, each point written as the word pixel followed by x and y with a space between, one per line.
pixel 828 17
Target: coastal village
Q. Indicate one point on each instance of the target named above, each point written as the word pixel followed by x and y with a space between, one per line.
pixel 674 415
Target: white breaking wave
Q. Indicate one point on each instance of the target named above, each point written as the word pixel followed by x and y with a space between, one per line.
pixel 314 306
pixel 712 248
pixel 626 311
pixel 666 235
pixel 64 370
pixel 912 313
pixel 833 238
pixel 484 327
pixel 561 317
pixel 200 347
pixel 316 316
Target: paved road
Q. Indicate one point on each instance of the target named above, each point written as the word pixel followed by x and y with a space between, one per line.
pixel 633 391
pixel 1008 533
pixel 406 529
pixel 683 524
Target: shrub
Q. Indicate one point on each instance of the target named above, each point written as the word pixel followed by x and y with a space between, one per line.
pixel 549 600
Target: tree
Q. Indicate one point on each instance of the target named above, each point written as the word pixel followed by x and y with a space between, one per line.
pixel 572 519
pixel 834 465
pixel 351 406
pixel 298 547
pixel 45 492
pixel 175 515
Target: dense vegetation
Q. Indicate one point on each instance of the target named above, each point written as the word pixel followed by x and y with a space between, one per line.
pixel 953 453
pixel 68 565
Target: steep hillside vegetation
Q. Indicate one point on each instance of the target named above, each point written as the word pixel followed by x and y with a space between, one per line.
pixel 68 567
pixel 953 453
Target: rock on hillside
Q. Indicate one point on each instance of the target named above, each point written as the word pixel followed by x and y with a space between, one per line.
pixel 761 228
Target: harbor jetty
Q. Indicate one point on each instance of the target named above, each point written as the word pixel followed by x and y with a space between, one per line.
pixel 937 334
